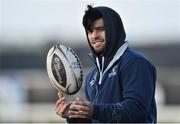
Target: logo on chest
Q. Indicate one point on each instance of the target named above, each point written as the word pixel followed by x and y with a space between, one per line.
pixel 113 72
pixel 92 82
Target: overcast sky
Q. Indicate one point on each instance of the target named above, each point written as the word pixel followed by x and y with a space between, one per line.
pixel 36 20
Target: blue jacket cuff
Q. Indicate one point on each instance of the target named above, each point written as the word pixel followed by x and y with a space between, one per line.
pixel 96 112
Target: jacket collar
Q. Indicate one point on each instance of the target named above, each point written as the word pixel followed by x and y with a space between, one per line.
pixel 118 54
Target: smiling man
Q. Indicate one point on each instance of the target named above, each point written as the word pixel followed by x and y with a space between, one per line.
pixel 121 86
pixel 96 36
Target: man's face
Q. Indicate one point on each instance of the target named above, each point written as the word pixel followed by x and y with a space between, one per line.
pixel 96 36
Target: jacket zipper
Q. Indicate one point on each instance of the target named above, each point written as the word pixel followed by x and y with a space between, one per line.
pixel 100 78
pixel 120 51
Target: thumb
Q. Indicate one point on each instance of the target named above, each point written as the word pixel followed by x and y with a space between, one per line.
pixel 60 95
pixel 79 99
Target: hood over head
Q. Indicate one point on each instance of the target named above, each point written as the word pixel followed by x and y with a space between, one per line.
pixel 114 31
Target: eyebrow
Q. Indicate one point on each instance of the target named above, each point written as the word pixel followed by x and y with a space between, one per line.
pixel 98 27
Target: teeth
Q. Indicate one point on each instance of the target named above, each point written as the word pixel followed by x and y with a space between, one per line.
pixel 96 42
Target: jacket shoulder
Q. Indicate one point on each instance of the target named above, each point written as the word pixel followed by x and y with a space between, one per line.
pixel 131 54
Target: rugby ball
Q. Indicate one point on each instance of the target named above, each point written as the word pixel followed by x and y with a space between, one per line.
pixel 64 69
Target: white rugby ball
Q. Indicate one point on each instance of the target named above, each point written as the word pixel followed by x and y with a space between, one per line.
pixel 64 69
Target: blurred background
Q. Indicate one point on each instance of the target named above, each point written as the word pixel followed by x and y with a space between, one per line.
pixel 29 28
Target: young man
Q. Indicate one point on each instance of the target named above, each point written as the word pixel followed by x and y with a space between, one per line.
pixel 121 87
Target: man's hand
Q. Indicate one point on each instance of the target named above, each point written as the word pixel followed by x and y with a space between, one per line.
pixel 62 106
pixel 80 108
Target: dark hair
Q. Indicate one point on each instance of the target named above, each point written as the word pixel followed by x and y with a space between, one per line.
pixel 91 15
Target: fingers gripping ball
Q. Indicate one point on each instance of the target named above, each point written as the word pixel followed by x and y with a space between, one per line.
pixel 64 69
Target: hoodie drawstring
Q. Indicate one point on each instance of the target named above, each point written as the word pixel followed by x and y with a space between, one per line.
pixel 100 69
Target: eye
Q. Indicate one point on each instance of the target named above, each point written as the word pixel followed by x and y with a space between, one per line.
pixel 89 31
pixel 100 28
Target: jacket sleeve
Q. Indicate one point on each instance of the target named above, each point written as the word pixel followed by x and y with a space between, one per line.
pixel 138 80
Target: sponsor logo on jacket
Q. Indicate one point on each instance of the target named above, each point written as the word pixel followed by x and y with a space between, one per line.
pixel 114 72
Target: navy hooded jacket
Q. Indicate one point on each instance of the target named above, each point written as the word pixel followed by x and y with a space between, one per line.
pixel 124 90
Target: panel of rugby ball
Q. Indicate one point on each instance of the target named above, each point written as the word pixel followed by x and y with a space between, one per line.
pixel 64 69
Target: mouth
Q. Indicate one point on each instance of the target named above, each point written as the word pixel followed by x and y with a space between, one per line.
pixel 97 41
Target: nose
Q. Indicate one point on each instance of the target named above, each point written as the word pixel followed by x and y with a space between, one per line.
pixel 95 34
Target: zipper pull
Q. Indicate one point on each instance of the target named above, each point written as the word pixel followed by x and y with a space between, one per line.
pixel 100 79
